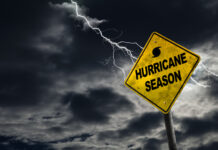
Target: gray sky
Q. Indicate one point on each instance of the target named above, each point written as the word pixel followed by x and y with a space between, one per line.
pixel 61 91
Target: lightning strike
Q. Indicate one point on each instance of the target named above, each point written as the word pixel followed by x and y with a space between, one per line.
pixel 112 43
pixel 199 84
pixel 133 43
pixel 205 68
pixel 118 46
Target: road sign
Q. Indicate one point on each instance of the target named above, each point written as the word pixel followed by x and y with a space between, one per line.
pixel 161 71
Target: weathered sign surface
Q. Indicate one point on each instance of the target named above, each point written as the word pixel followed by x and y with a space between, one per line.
pixel 161 71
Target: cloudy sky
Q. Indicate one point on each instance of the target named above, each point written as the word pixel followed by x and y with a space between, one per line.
pixel 60 89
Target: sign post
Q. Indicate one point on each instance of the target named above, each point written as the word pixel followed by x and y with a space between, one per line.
pixel 170 131
pixel 159 75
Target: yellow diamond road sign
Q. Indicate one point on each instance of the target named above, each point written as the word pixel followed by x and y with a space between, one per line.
pixel 161 71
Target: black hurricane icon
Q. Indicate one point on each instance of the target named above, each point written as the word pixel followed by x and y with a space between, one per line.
pixel 156 52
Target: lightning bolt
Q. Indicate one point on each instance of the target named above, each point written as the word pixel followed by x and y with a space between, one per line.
pixel 112 43
pixel 199 84
pixel 118 46
pixel 210 72
pixel 133 43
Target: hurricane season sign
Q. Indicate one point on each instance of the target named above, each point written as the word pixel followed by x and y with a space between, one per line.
pixel 161 71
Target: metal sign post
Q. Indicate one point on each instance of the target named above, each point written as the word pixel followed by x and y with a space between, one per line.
pixel 170 131
pixel 159 75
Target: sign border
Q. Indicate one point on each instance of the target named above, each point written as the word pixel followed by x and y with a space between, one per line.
pixel 180 90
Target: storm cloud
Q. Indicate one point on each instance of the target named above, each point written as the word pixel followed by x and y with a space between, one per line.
pixel 96 105
pixel 59 88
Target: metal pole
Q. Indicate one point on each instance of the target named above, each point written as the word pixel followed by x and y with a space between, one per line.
pixel 170 131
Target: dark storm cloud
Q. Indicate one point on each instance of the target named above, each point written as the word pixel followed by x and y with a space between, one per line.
pixel 137 126
pixel 20 19
pixel 21 87
pixel 85 56
pixel 18 27
pixel 77 147
pixel 31 55
pixel 195 127
pixel 139 148
pixel 83 137
pixel 144 124
pixel 55 116
pixel 11 143
pixel 75 50
pixel 152 144
pixel 73 148
pixel 26 68
pixel 96 105
pixel 213 91
pixel 21 82
pixel 21 77
pixel 210 146
pixel 184 21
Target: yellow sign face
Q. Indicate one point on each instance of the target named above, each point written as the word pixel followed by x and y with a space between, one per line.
pixel 161 71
